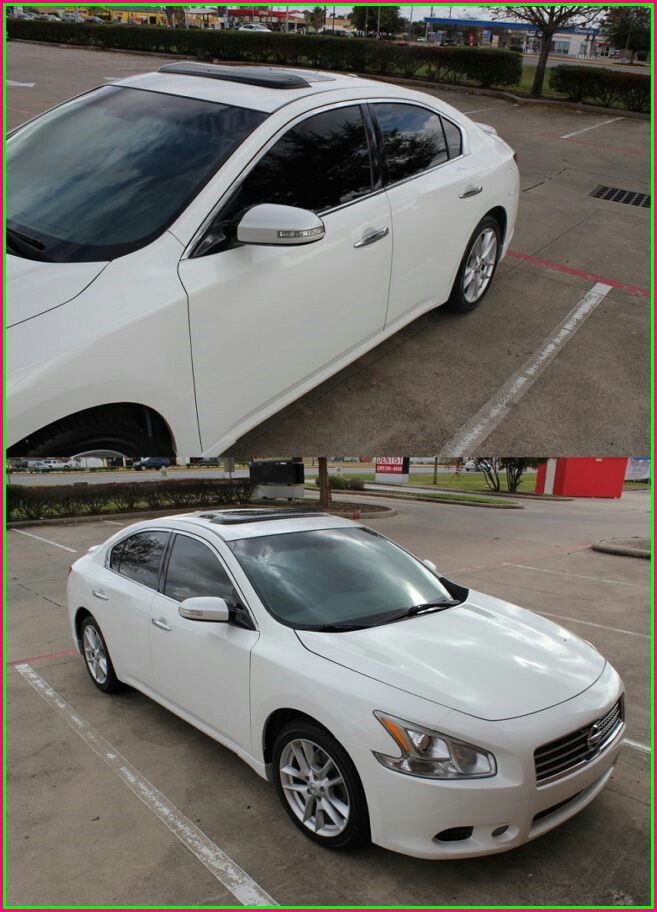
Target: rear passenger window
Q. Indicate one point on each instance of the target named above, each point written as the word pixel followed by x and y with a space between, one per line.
pixel 413 139
pixel 195 570
pixel 453 137
pixel 140 557
pixel 115 556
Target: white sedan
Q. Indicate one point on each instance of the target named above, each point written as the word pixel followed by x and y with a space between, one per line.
pixel 384 701
pixel 191 250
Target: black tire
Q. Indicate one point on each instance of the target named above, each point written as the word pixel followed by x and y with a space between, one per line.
pixel 357 830
pixel 111 684
pixel 457 301
pixel 122 430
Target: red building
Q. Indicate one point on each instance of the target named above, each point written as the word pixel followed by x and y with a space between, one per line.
pixel 574 476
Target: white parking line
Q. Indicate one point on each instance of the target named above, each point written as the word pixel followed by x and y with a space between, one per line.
pixel 23 85
pixel 636 745
pixel 601 579
pixel 494 108
pixel 561 617
pixel 603 123
pixel 227 872
pixel 484 422
pixel 110 522
pixel 46 540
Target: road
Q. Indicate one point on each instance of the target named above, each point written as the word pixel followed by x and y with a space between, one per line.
pixel 445 375
pixel 78 836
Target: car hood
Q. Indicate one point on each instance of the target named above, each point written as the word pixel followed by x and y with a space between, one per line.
pixel 486 657
pixel 33 287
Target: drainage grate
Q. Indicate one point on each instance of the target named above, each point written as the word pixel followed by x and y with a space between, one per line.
pixel 615 195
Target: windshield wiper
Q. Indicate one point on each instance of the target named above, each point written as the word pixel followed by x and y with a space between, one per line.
pixel 438 605
pixel 331 628
pixel 24 245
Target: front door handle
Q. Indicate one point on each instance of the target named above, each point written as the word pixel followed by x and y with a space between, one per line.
pixel 471 191
pixel 161 623
pixel 99 594
pixel 371 237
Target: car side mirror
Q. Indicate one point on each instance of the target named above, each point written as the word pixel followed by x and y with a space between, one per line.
pixel 205 608
pixel 430 566
pixel 271 224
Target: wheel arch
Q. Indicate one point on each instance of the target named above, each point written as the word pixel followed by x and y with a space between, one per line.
pixel 277 720
pixel 80 615
pixel 500 216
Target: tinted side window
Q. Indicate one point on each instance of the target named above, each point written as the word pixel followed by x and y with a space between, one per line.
pixel 322 162
pixel 413 139
pixel 115 556
pixel 141 557
pixel 194 570
pixel 453 137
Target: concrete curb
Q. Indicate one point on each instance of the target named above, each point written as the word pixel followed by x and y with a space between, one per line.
pixel 422 83
pixel 502 494
pixel 410 498
pixel 607 546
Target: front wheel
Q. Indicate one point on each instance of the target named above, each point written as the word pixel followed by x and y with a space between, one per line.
pixel 477 267
pixel 319 786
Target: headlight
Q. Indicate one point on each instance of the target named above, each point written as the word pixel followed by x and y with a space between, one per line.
pixel 431 754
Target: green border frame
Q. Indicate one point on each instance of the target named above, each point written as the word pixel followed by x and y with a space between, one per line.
pixel 621 4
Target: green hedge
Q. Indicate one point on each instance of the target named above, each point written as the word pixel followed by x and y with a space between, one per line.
pixel 51 501
pixel 602 86
pixel 339 483
pixel 483 66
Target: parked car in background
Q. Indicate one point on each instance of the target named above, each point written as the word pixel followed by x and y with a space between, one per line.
pixel 253 27
pixel 471 465
pixel 152 462
pixel 35 466
pixel 292 172
pixel 385 701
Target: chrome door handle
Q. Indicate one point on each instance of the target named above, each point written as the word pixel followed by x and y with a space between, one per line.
pixel 470 191
pixel 97 593
pixel 371 237
pixel 161 623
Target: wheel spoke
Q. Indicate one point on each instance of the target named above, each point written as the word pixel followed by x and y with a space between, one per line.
pixel 300 787
pixel 468 277
pixel 290 770
pixel 309 809
pixel 301 760
pixel 331 810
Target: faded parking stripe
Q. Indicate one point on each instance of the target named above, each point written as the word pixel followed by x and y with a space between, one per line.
pixel 227 872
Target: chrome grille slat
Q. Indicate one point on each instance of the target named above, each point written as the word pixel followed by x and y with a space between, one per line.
pixel 557 758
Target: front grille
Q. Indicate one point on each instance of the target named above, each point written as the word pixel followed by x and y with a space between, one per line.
pixel 560 757
pixel 616 195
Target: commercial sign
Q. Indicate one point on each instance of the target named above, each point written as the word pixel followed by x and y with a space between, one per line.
pixel 391 469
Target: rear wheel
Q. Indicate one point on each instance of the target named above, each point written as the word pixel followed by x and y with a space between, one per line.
pixel 477 267
pixel 319 786
pixel 97 657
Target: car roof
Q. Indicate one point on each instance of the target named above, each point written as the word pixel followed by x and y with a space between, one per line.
pixel 205 82
pixel 251 522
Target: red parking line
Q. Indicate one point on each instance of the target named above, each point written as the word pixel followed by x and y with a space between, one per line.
pixel 570 270
pixel 65 654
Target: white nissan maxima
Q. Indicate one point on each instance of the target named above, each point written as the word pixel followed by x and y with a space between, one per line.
pixel 191 250
pixel 383 700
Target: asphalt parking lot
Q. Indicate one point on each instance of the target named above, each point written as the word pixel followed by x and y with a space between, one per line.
pixel 446 377
pixel 78 835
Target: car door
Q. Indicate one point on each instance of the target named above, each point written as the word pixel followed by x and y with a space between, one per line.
pixel 266 321
pixel 425 172
pixel 122 594
pixel 202 668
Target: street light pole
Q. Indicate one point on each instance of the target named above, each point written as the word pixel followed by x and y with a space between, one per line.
pixel 378 21
pixel 410 24
pixel 629 32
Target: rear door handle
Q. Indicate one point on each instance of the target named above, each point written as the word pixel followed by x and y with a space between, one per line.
pixel 161 623
pixel 99 594
pixel 371 237
pixel 471 191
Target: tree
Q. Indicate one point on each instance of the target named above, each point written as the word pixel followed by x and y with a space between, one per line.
pixel 324 487
pixel 175 16
pixel 548 20
pixel 490 466
pixel 628 29
pixel 391 21
pixel 315 18
pixel 515 469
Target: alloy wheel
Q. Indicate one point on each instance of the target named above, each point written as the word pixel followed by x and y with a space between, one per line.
pixel 480 265
pixel 94 654
pixel 314 787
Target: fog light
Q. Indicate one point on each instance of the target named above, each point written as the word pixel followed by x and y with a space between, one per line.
pixel 454 834
pixel 498 831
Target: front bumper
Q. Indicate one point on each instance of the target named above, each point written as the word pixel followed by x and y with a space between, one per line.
pixel 407 813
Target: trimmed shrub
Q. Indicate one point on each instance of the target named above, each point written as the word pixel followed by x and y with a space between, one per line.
pixel 602 86
pixel 339 483
pixel 43 501
pixel 485 66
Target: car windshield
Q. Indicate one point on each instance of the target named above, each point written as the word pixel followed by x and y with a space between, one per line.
pixel 335 577
pixel 108 172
